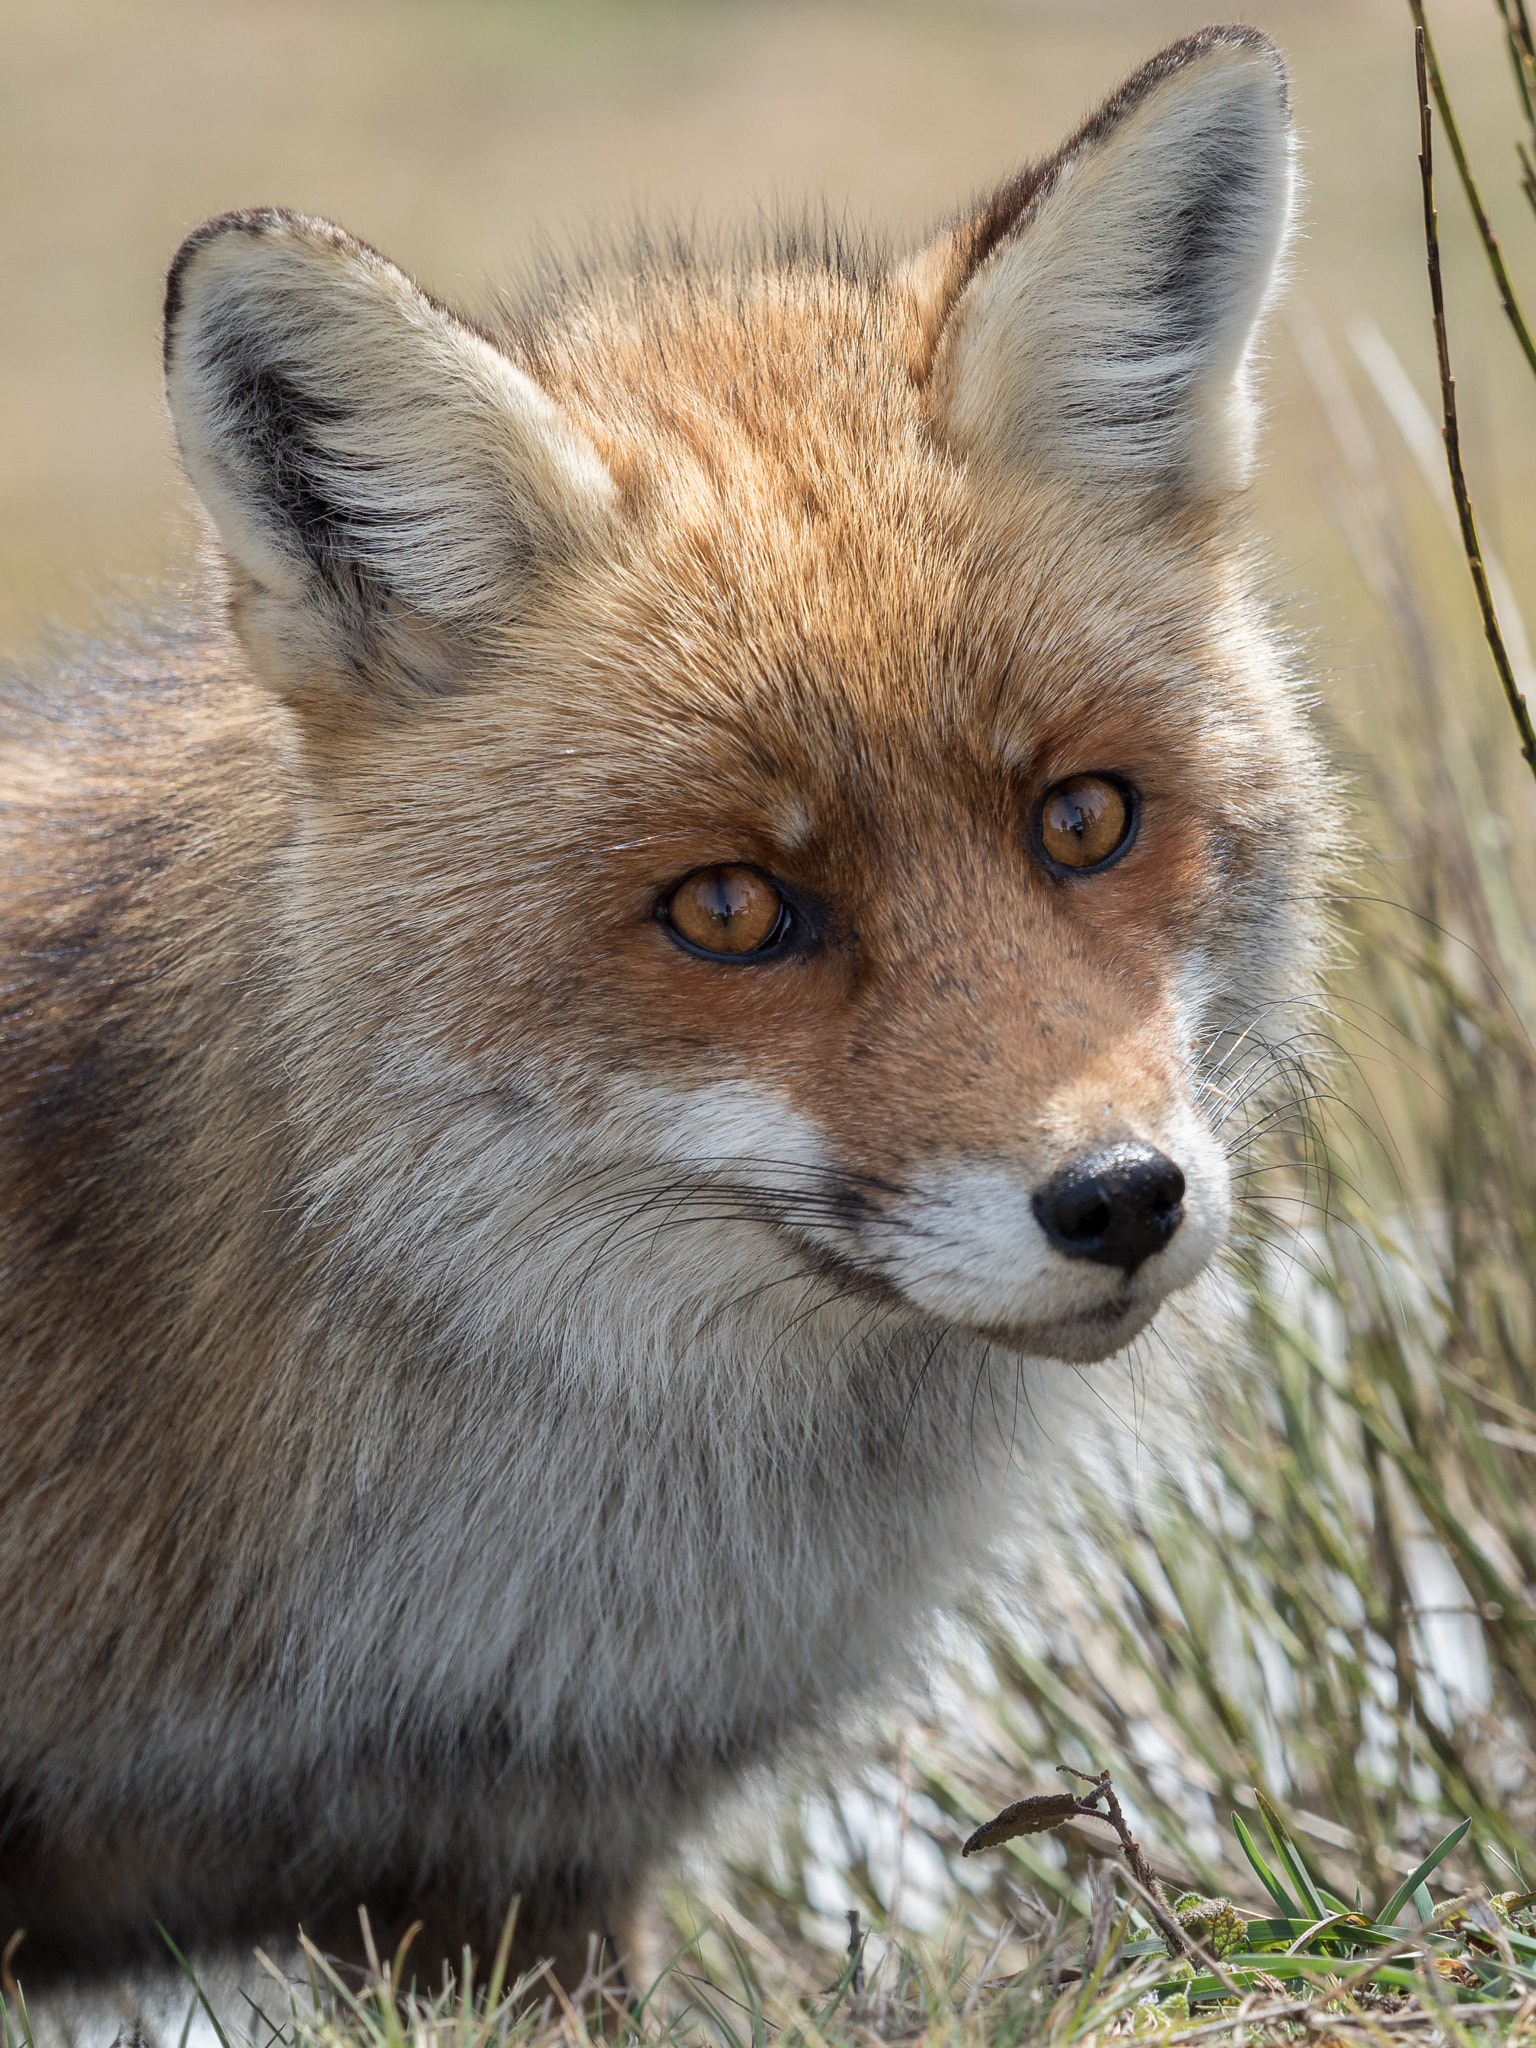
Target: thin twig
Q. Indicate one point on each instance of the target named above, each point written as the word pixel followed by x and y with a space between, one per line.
pixel 1469 540
pixel 1180 1944
pixel 979 1981
pixel 855 1952
pixel 1142 1870
pixel 1490 240
pixel 1290 2010
pixel 7 1957
pixel 1517 36
pixel 1522 55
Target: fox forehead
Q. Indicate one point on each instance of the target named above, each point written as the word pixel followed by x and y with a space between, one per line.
pixel 752 652
pixel 809 591
pixel 797 528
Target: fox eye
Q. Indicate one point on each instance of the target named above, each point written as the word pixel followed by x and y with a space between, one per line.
pixel 727 912
pixel 1086 821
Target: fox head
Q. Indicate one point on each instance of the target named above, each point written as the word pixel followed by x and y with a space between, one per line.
pixel 792 778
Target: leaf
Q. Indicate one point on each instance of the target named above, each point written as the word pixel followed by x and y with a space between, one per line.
pixel 1414 1882
pixel 1214 1924
pixel 1242 1966
pixel 1025 1817
pixel 1279 1934
pixel 1290 1856
pixel 1267 1877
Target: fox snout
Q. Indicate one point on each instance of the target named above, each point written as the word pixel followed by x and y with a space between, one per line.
pixel 1116 1207
pixel 1070 1258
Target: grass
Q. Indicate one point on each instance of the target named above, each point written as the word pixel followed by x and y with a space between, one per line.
pixel 1182 1969
pixel 1304 1646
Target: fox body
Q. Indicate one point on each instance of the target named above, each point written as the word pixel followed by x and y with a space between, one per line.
pixel 578 1037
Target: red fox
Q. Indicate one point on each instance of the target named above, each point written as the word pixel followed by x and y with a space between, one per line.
pixel 665 940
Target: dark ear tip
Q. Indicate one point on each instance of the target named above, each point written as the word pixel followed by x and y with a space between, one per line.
pixel 1222 39
pixel 1230 35
pixel 1230 38
pixel 254 221
pixel 317 235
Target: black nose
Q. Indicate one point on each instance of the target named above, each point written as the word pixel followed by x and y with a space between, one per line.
pixel 1117 1207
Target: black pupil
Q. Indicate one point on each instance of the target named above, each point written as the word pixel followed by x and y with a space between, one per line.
pixel 723 909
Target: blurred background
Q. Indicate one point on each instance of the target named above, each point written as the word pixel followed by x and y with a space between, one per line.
pixel 1332 1596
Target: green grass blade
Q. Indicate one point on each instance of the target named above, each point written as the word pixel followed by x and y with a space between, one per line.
pixel 498 1976
pixel 24 2020
pixel 639 2008
pixel 750 1996
pixel 718 2020
pixel 1414 1882
pixel 258 2012
pixel 202 1997
pixel 1267 1877
pixel 1290 1856
pixel 1243 1968
pixel 1260 1932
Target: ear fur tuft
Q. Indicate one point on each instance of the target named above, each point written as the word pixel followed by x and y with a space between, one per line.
pixel 365 455
pixel 1093 319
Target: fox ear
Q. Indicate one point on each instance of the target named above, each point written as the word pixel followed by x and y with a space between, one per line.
pixel 1094 320
pixel 389 488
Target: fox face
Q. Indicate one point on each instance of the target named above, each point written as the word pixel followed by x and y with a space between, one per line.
pixel 805 737
pixel 767 914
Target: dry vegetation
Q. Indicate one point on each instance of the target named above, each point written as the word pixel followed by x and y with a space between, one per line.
pixel 1335 1600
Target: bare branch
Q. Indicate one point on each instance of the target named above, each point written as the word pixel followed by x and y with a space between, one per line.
pixel 1490 240
pixel 1471 545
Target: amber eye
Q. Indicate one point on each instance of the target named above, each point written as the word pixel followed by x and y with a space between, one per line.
pixel 1086 820
pixel 731 911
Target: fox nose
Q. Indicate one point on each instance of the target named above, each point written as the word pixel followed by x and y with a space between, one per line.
pixel 1117 1207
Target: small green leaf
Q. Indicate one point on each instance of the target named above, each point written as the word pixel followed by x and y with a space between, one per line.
pixel 1290 1856
pixel 1414 1882
pixel 1266 1876
pixel 1213 1924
